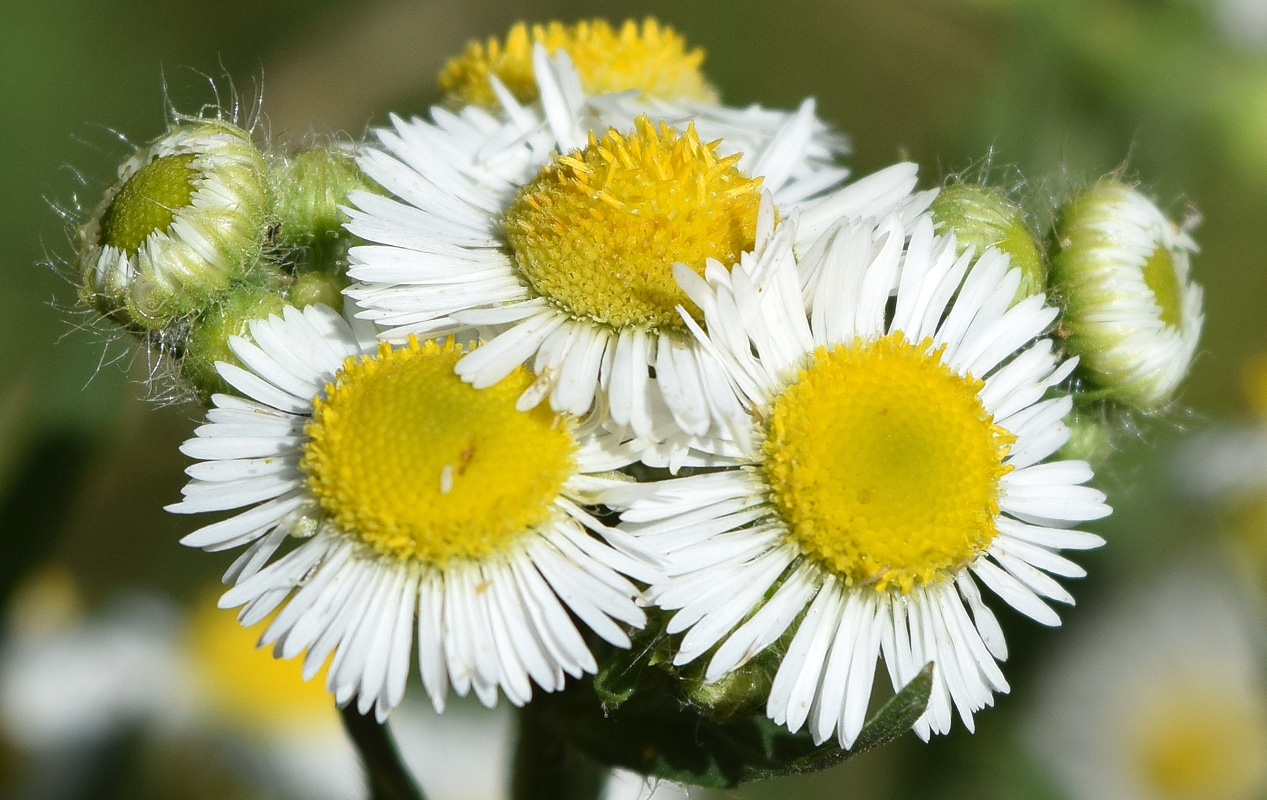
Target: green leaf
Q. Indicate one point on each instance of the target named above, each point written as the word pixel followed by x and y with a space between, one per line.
pixel 659 734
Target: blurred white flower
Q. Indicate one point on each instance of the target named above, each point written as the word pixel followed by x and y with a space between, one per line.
pixel 1161 698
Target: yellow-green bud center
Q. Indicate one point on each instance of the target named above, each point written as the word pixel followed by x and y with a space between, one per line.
pixel 147 201
pixel 1160 276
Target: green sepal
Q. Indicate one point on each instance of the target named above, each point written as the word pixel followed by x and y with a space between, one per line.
pixel 654 731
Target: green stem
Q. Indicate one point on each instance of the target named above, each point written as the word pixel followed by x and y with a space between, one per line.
pixel 546 766
pixel 388 777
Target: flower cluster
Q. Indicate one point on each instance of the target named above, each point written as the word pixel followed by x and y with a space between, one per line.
pixel 589 356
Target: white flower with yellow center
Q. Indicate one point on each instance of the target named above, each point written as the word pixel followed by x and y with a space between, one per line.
pixel 186 217
pixel 1160 698
pixel 649 58
pixel 1132 312
pixel 561 241
pixel 892 462
pixel 419 503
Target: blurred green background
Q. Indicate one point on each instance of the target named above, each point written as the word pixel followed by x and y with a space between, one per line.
pixel 1174 92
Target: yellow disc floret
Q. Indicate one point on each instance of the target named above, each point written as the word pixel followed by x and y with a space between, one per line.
pixel 597 231
pixel 650 57
pixel 884 464
pixel 409 459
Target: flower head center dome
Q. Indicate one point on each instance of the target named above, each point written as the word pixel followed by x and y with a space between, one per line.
pixel 884 463
pixel 418 464
pixel 1162 277
pixel 650 57
pixel 147 201
pixel 597 231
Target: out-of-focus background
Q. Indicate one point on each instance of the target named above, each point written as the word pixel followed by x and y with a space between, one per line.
pixel 105 688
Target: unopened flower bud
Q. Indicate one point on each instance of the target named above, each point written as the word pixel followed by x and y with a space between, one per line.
pixel 744 690
pixel 1092 436
pixel 184 219
pixel 981 217
pixel 1131 312
pixel 308 189
pixel 208 340
pixel 317 287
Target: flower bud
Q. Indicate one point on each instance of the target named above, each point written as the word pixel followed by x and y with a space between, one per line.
pixel 185 218
pixel 1092 435
pixel 743 690
pixel 308 189
pixel 208 340
pixel 317 287
pixel 1131 312
pixel 981 217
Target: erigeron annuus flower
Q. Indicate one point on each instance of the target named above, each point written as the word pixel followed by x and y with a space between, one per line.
pixel 1131 311
pixel 186 217
pixel 650 58
pixel 1161 696
pixel 894 459
pixel 560 240
pixel 419 507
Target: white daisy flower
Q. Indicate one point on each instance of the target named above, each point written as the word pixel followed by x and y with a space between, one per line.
pixel 185 217
pixel 892 462
pixel 1132 312
pixel 417 502
pixel 561 240
pixel 650 59
pixel 1160 698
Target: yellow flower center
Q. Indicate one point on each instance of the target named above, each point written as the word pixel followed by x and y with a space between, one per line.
pixel 597 231
pixel 884 463
pixel 1198 745
pixel 420 465
pixel 147 201
pixel 651 58
pixel 1160 276
pixel 246 683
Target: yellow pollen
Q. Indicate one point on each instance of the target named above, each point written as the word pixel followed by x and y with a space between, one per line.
pixel 651 57
pixel 1196 744
pixel 597 231
pixel 884 463
pixel 418 464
